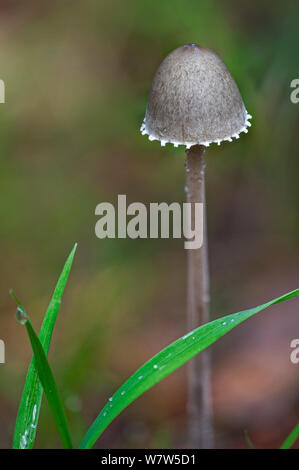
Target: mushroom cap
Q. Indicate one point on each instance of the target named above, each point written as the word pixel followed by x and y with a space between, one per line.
pixel 194 100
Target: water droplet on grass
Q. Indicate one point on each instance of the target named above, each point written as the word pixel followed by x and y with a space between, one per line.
pixel 188 334
pixel 23 442
pixel 21 316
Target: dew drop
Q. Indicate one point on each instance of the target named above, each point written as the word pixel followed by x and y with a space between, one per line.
pixel 21 316
pixel 155 366
pixel 23 442
pixel 188 334
pixel 34 412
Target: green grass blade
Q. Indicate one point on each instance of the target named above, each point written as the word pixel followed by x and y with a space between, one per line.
pixel 46 378
pixel 29 408
pixel 292 437
pixel 167 361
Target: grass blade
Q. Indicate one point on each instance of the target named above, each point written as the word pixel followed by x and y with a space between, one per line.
pixel 167 361
pixel 29 408
pixel 46 377
pixel 292 437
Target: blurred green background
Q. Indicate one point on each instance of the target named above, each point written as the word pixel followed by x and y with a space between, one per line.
pixel 77 76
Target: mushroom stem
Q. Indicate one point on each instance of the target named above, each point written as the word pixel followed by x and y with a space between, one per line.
pixel 199 405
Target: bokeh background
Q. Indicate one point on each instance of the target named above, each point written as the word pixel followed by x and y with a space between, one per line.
pixel 77 76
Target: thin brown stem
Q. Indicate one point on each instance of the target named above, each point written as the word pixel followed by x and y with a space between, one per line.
pixel 199 372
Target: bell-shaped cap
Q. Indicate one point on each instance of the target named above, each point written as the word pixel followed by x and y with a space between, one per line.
pixel 194 100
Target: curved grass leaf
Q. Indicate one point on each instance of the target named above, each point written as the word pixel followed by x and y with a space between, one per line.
pixel 47 379
pixel 292 437
pixel 29 408
pixel 167 361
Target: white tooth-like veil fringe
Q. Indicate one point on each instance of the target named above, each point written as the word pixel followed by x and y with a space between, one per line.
pixel 244 129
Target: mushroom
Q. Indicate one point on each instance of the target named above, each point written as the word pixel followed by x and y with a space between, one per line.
pixel 194 101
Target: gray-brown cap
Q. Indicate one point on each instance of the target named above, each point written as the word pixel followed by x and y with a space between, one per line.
pixel 194 100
